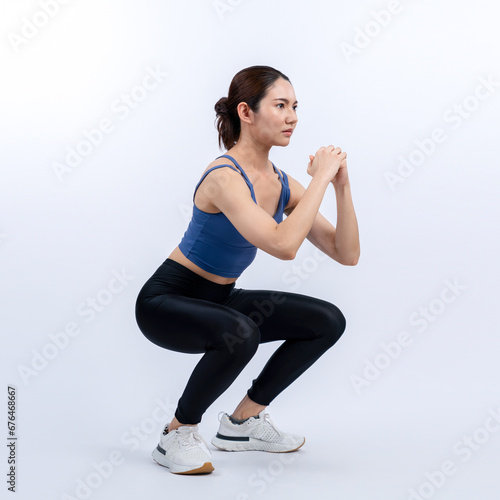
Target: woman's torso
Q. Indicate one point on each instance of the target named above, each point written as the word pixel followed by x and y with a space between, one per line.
pixel 267 188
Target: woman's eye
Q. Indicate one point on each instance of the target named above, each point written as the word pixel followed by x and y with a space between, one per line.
pixel 282 104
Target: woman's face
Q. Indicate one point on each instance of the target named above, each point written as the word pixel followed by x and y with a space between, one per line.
pixel 277 113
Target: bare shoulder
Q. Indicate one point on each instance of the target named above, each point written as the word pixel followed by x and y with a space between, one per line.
pixel 218 182
pixel 221 174
pixel 219 161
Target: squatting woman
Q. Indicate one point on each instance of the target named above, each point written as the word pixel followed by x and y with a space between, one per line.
pixel 191 304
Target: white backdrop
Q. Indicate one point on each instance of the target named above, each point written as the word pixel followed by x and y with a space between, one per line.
pixel 107 123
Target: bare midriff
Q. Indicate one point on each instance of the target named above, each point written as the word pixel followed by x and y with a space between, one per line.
pixel 179 257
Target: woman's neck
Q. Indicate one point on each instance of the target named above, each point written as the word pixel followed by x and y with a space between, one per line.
pixel 251 157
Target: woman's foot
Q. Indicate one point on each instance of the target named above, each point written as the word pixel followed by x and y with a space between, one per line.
pixel 256 433
pixel 247 408
pixel 174 424
pixel 183 451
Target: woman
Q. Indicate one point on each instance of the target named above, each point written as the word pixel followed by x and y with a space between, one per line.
pixel 191 305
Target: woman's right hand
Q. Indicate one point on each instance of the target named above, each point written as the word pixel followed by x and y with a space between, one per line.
pixel 326 162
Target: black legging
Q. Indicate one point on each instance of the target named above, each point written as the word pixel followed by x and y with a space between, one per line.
pixel 179 310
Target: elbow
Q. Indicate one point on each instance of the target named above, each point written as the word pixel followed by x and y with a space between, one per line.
pixel 288 254
pixel 285 252
pixel 351 262
pixel 350 259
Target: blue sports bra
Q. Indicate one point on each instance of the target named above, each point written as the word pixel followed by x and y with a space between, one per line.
pixel 213 243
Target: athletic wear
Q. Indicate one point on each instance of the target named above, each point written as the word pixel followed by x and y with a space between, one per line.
pixel 255 434
pixel 183 451
pixel 214 244
pixel 179 310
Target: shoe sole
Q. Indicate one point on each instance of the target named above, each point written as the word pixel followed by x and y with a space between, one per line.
pixel 252 445
pixel 162 460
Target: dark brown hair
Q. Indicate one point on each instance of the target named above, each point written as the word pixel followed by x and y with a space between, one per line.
pixel 249 85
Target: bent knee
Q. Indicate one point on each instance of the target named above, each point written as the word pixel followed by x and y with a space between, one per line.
pixel 335 324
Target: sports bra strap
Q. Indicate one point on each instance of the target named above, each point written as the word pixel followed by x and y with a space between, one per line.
pixel 230 166
pixel 278 172
pixel 243 172
pixel 240 169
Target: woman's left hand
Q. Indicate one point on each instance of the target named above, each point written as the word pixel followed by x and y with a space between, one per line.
pixel 342 177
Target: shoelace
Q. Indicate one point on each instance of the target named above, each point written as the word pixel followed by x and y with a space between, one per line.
pixel 263 418
pixel 191 439
pixel 266 418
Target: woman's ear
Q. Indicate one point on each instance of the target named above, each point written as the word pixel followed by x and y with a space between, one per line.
pixel 244 112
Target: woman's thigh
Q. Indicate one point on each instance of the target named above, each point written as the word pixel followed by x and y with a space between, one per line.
pixel 187 324
pixel 285 315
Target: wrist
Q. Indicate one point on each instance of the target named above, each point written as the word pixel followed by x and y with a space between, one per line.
pixel 341 188
pixel 322 178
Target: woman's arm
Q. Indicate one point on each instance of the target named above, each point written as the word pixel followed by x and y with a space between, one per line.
pixel 230 195
pixel 346 240
pixel 340 243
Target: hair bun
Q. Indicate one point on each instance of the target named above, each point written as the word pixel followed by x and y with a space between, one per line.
pixel 221 106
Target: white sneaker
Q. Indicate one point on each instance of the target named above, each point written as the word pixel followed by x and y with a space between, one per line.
pixel 183 451
pixel 255 434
